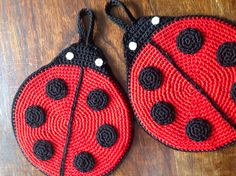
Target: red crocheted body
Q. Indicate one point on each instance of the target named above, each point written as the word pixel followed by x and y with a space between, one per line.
pixel 188 102
pixel 84 124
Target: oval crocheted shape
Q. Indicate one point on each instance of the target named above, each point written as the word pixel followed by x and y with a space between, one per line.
pixel 226 54
pixel 56 89
pixel 189 41
pixel 194 83
pixel 34 116
pixel 43 150
pixel 150 78
pixel 106 135
pixel 84 162
pixel 70 126
pixel 162 113
pixel 198 129
pixel 97 99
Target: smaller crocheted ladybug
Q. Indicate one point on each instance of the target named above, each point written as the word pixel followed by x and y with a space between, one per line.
pixel 181 78
pixel 70 117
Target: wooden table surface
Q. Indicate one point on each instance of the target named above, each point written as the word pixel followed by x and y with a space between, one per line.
pixel 32 32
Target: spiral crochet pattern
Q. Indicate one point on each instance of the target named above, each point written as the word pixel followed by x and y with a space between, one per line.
pixel 84 162
pixel 97 99
pixel 34 116
pixel 196 58
pixel 106 135
pixel 42 150
pixel 56 89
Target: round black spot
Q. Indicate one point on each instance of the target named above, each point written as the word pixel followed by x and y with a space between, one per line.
pixel 84 162
pixel 189 41
pixel 34 116
pixel 97 99
pixel 106 135
pixel 56 89
pixel 233 92
pixel 162 113
pixel 150 78
pixel 198 129
pixel 226 54
pixel 43 150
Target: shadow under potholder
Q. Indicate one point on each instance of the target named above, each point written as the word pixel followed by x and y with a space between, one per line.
pixel 70 117
pixel 181 78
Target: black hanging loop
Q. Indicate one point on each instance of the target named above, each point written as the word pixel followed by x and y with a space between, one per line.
pixel 86 36
pixel 118 21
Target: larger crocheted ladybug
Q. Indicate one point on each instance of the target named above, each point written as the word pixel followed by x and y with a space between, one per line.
pixel 70 117
pixel 181 75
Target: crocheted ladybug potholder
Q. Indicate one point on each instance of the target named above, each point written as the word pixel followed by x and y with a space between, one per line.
pixel 181 75
pixel 70 117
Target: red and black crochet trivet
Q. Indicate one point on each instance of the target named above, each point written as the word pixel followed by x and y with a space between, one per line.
pixel 70 117
pixel 181 75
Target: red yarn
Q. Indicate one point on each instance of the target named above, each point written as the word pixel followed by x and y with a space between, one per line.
pixel 84 125
pixel 201 67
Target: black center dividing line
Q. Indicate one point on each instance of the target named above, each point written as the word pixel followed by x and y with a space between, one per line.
pixel 193 83
pixel 70 121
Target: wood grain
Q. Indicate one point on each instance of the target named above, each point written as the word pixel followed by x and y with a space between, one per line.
pixel 32 32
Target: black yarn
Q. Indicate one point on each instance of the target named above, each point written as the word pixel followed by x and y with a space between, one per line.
pixel 42 150
pixel 106 135
pixel 233 92
pixel 226 54
pixel 56 89
pixel 163 113
pixel 198 129
pixel 97 99
pixel 34 116
pixel 189 41
pixel 150 78
pixel 84 162
pixel 194 84
pixel 114 3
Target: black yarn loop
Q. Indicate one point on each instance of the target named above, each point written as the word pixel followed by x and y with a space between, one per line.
pixel 86 36
pixel 114 3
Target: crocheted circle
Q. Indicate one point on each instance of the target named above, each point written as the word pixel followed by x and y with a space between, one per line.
pixel 233 92
pixel 150 78
pixel 197 129
pixel 84 162
pixel 162 113
pixel 97 99
pixel 42 150
pixel 226 54
pixel 189 41
pixel 106 135
pixel 56 89
pixel 34 116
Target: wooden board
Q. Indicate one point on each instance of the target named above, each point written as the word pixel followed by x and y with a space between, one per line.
pixel 32 32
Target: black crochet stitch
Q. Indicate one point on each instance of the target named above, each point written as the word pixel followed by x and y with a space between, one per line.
pixel 162 113
pixel 106 135
pixel 233 92
pixel 97 99
pixel 84 162
pixel 150 78
pixel 34 116
pixel 198 129
pixel 189 41
pixel 56 89
pixel 226 54
pixel 43 150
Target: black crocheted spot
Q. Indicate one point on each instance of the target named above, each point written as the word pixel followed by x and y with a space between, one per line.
pixel 56 89
pixel 106 135
pixel 189 41
pixel 84 162
pixel 150 78
pixel 43 150
pixel 233 92
pixel 97 99
pixel 226 54
pixel 162 113
pixel 198 129
pixel 34 116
